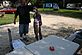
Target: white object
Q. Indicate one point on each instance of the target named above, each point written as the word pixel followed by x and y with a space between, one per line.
pixel 6 3
pixel 20 51
pixel 61 45
pixel 42 47
pixel 18 44
pixel 55 6
pixel 70 5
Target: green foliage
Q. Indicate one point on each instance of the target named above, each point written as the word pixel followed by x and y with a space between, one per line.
pixel 33 1
pixel 47 0
pixel 50 1
pixel 63 12
pixel 8 18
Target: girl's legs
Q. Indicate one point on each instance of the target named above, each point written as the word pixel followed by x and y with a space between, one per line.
pixel 40 34
pixel 36 31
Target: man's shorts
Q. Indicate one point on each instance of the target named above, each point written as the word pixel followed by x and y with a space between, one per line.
pixel 23 28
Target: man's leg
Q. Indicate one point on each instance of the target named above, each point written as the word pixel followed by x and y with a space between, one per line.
pixel 21 27
pixel 26 28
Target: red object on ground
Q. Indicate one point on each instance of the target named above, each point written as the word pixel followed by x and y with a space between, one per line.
pixel 51 48
pixel 8 10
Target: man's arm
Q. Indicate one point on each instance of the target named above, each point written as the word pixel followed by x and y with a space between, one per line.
pixel 31 7
pixel 15 17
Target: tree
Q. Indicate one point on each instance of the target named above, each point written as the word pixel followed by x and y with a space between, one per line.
pixel 33 2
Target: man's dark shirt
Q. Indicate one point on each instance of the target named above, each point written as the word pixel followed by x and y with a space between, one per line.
pixel 24 15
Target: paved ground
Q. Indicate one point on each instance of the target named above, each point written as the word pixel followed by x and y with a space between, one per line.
pixel 56 25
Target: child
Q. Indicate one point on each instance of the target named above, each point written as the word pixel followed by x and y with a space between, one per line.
pixel 37 24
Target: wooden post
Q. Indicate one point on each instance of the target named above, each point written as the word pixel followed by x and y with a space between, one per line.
pixel 10 39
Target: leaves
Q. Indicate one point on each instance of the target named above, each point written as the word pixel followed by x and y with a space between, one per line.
pixel 33 1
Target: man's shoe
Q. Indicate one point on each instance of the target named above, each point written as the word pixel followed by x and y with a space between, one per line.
pixel 25 39
pixel 21 35
pixel 24 34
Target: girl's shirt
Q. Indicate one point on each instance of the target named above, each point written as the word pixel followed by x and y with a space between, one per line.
pixel 37 18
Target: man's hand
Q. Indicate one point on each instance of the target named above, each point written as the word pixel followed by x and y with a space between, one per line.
pixel 14 22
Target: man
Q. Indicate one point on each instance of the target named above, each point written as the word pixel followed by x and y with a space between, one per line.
pixel 24 17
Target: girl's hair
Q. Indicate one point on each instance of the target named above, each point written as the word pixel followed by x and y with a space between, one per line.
pixel 35 8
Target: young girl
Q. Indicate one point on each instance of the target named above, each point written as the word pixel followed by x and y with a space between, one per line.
pixel 37 24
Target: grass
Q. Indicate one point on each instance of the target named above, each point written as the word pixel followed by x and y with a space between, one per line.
pixel 63 12
pixel 45 9
pixel 70 13
pixel 8 18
